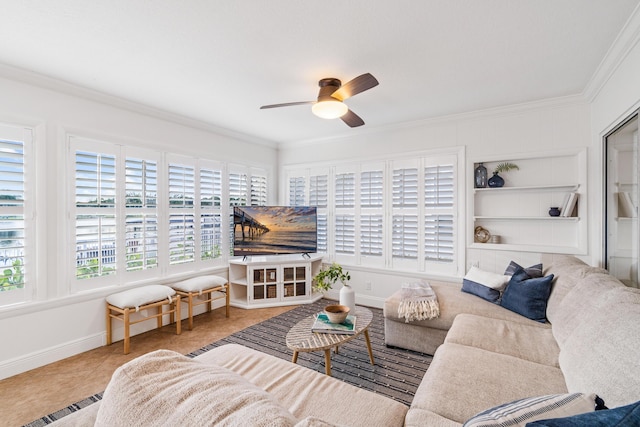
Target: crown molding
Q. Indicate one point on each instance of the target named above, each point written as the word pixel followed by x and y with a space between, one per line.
pixel 505 110
pixel 32 78
pixel 626 40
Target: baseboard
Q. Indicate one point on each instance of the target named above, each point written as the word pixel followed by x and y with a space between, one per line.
pixel 9 368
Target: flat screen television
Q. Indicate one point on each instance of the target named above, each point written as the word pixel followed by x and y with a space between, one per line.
pixel 271 230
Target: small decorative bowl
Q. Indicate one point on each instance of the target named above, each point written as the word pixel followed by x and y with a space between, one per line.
pixel 336 313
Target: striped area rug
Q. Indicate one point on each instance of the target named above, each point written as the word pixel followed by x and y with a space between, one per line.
pixel 396 374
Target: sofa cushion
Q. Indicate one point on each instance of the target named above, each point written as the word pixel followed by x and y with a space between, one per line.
pixel 200 283
pixel 623 416
pixel 463 381
pixel 533 271
pixel 166 388
pixel 581 302
pixel 602 352
pixel 523 411
pixel 527 342
pixel 567 272
pixel 294 386
pixel 140 296
pixel 527 296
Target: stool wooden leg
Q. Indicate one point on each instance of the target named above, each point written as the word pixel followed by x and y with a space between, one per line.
pixel 127 343
pixel 109 332
pixel 227 301
pixel 210 303
pixel 159 318
pixel 190 310
pixel 178 316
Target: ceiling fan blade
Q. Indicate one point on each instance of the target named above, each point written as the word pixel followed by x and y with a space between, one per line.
pixel 359 84
pixel 286 104
pixel 352 119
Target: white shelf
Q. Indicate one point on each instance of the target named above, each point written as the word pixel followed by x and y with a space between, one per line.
pixel 567 187
pixel 527 218
pixel 528 248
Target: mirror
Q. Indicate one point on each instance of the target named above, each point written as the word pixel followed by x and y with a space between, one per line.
pixel 622 195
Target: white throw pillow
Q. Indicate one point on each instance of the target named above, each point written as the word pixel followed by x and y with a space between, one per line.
pixel 164 388
pixel 486 278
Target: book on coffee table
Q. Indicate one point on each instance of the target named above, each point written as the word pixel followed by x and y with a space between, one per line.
pixel 323 326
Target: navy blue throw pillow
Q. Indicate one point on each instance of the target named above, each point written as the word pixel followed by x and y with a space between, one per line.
pixel 533 271
pixel 484 292
pixel 528 296
pixel 623 416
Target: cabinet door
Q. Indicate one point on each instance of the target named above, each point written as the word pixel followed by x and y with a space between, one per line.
pixel 294 281
pixel 264 285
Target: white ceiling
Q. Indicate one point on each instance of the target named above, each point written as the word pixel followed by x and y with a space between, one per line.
pixel 218 61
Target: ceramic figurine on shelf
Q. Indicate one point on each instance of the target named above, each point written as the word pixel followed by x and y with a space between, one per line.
pixel 496 181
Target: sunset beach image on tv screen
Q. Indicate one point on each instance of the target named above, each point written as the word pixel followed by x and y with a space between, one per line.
pixel 262 230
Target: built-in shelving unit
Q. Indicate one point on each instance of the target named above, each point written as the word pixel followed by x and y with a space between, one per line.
pixel 273 280
pixel 519 211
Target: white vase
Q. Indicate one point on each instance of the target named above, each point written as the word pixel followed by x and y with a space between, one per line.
pixel 348 298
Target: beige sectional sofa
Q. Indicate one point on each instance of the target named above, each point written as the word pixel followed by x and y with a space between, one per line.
pixel 484 355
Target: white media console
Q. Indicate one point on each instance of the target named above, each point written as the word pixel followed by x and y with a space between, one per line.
pixel 273 280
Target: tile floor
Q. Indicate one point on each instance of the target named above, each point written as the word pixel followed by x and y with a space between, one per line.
pixel 34 394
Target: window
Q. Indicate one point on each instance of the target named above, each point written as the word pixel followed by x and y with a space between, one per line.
pixel 16 213
pixel 398 214
pixel 141 220
pixel 95 201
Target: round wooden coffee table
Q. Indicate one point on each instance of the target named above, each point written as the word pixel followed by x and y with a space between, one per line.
pixel 300 338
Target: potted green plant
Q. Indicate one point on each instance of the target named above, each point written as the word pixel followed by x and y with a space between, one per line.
pixel 327 277
pixel 496 180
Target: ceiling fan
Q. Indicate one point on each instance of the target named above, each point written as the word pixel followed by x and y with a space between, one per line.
pixel 332 92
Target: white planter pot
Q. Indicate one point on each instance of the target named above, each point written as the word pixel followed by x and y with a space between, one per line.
pixel 348 298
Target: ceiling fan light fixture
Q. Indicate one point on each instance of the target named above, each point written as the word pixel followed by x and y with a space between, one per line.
pixel 329 109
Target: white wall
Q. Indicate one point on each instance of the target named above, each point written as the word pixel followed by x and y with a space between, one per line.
pixel 507 132
pixel 57 324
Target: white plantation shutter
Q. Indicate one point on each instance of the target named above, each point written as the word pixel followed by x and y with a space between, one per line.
pixel 371 235
pixel 319 197
pixel 371 189
pixel 182 193
pixel 181 238
pixel 345 234
pixel 141 220
pixel 371 199
pixel 405 236
pixel 405 233
pixel 258 190
pixel 318 191
pixel 237 189
pixel 15 215
pixel 210 213
pixel 345 190
pixel 296 191
pixel 95 199
pixel 141 236
pixel 439 189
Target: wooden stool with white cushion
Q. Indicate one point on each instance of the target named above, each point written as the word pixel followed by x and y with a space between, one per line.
pixel 208 288
pixel 121 305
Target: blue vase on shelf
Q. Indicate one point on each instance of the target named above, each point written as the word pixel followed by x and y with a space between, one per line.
pixel 496 181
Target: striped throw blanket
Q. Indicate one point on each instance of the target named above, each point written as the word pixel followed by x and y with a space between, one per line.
pixel 418 301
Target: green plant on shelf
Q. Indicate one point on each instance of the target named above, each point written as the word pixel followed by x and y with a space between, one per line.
pixel 505 167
